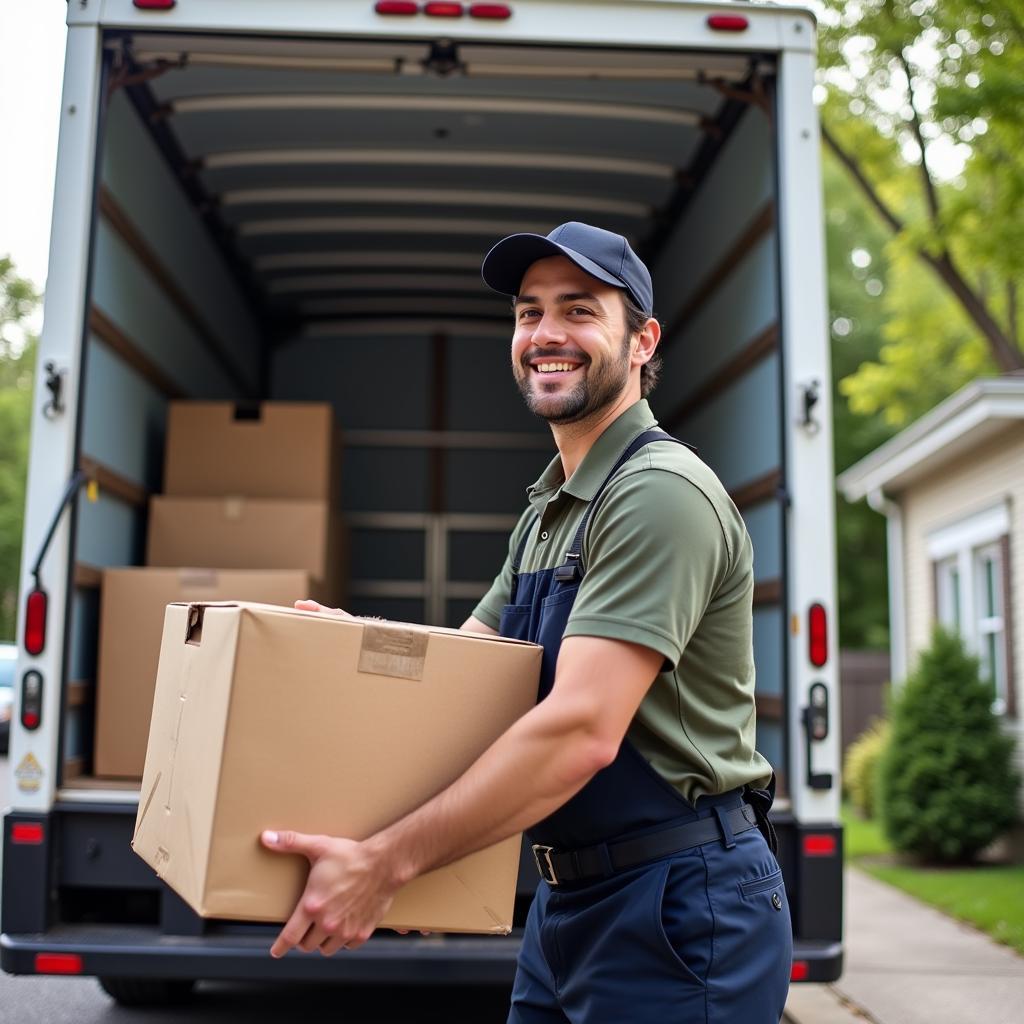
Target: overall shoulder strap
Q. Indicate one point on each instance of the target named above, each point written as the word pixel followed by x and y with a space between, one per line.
pixel 521 549
pixel 573 568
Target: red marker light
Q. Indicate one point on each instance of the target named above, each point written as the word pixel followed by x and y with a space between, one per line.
pixel 439 10
pixel 728 22
pixel 58 963
pixel 154 5
pixel 396 7
pixel 27 833
pixel 820 845
pixel 497 12
pixel 35 622
pixel 817 635
pixel 800 971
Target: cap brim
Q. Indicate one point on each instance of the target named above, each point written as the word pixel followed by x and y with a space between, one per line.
pixel 506 264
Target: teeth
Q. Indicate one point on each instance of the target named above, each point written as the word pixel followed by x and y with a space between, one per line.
pixel 553 367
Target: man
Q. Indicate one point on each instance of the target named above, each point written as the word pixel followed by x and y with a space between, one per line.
pixel 636 774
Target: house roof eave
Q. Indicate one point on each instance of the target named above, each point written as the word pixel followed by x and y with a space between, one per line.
pixel 971 415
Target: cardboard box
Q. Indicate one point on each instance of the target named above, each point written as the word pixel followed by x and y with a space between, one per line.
pixel 246 533
pixel 132 606
pixel 271 718
pixel 271 450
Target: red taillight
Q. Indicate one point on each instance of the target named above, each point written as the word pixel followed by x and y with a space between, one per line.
pixel 155 5
pixel 821 845
pixel 439 10
pixel 727 22
pixel 35 622
pixel 58 963
pixel 27 833
pixel 817 631
pixel 800 970
pixel 499 12
pixel 396 7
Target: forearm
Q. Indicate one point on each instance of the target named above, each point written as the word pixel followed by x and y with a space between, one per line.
pixel 534 768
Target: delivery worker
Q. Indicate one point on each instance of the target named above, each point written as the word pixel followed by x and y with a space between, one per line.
pixel 635 775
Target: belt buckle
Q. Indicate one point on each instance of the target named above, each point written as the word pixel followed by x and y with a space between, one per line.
pixel 542 858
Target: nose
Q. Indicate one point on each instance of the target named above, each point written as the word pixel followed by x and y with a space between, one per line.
pixel 549 330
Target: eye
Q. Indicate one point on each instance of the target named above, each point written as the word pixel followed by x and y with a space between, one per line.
pixel 525 313
pixel 580 311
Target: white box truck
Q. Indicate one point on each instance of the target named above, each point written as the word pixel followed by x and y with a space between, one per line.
pixel 267 201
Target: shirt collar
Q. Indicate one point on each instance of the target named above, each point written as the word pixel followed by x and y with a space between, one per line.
pixel 597 463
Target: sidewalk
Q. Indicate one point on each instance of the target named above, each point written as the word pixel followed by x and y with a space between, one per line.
pixel 908 964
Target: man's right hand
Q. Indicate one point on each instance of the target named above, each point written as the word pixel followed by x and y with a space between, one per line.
pixel 309 605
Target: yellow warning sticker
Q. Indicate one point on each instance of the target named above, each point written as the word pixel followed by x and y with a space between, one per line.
pixel 29 774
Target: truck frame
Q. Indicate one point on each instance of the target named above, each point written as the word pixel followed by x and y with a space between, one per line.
pixel 283 201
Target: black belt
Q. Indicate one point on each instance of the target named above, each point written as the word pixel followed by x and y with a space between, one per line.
pixel 593 862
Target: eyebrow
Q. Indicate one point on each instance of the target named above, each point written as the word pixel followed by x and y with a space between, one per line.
pixel 567 297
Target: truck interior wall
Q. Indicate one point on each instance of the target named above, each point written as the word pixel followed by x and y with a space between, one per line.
pixel 382 377
pixel 123 410
pixel 712 317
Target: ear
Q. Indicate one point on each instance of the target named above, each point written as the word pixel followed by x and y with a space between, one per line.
pixel 646 343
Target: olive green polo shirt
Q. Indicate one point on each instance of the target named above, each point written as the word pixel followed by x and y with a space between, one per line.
pixel 668 564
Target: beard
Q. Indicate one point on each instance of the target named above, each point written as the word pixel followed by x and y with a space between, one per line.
pixel 596 389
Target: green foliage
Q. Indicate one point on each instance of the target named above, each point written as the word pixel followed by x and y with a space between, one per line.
pixel 17 359
pixel 858 282
pixel 860 769
pixel 923 96
pixel 947 787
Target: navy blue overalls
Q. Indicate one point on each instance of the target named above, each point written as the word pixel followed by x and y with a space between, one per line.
pixel 698 935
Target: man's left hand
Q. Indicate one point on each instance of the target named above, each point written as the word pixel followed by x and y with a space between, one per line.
pixel 347 894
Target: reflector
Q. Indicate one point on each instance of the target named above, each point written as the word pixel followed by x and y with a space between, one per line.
pixel 820 845
pixel 800 970
pixel 817 634
pixel 155 5
pixel 727 22
pixel 35 622
pixel 498 12
pixel 444 10
pixel 27 833
pixel 58 963
pixel 396 7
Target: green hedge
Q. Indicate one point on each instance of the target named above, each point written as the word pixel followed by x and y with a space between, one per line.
pixel 947 787
pixel 860 769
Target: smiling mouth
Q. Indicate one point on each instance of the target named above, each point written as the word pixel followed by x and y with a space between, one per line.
pixel 554 368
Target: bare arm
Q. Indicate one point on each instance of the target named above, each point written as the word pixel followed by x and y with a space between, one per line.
pixel 474 625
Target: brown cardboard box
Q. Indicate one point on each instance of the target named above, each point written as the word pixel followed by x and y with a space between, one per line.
pixel 132 605
pixel 245 533
pixel 271 718
pixel 287 450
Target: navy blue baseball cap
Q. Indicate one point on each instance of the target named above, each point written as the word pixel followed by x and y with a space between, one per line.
pixel 602 254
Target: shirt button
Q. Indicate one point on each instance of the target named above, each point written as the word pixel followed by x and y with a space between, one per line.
pixel 544 535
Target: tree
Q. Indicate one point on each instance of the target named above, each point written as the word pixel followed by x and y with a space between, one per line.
pixel 915 88
pixel 18 299
pixel 946 784
pixel 858 283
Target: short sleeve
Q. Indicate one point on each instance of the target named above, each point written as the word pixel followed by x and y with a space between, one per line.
pixel 655 555
pixel 488 611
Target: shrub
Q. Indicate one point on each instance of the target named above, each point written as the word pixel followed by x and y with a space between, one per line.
pixel 947 787
pixel 860 769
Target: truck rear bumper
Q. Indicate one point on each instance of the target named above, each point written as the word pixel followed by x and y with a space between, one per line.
pixel 143 952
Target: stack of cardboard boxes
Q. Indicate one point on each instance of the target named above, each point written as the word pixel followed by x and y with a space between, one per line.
pixel 248 513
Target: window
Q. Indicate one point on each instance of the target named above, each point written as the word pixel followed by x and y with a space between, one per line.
pixel 969 564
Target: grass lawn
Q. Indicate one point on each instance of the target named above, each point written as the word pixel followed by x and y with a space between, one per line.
pixel 990 897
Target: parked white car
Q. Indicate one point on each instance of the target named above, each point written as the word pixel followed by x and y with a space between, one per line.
pixel 8 661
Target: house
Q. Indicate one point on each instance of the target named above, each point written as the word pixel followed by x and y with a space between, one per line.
pixel 952 489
